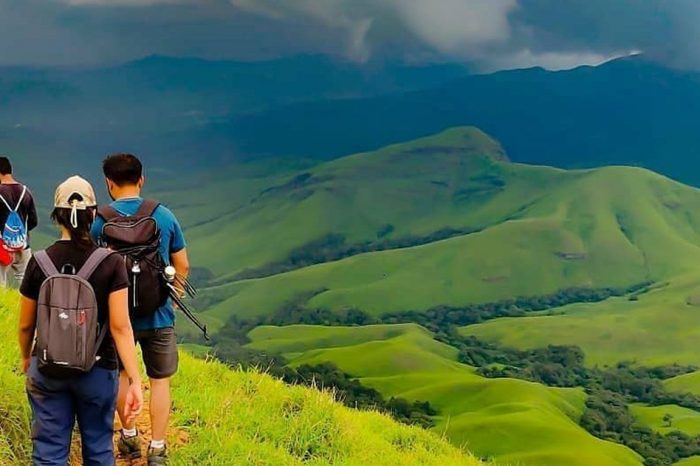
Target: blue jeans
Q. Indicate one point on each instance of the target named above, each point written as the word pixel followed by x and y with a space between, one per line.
pixel 57 404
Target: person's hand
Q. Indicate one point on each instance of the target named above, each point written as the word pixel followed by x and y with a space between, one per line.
pixel 134 402
pixel 24 365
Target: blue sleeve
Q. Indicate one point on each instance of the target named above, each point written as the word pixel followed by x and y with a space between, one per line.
pixel 177 237
pixel 96 230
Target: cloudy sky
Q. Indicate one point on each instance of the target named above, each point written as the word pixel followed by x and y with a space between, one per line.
pixel 492 34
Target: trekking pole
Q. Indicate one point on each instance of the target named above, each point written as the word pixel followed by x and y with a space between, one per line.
pixel 186 285
pixel 188 312
pixel 171 278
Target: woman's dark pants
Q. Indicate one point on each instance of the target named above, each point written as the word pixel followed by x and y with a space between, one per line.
pixel 57 404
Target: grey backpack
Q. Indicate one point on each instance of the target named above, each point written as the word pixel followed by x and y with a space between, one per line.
pixel 68 333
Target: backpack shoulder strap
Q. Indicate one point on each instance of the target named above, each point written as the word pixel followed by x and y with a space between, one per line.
pixel 46 264
pixel 21 198
pixel 108 213
pixel 93 262
pixel 148 208
pixel 86 271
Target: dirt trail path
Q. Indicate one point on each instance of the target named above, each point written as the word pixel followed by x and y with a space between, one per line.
pixel 175 437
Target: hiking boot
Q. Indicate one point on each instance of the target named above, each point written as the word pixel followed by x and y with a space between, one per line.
pixel 129 447
pixel 158 456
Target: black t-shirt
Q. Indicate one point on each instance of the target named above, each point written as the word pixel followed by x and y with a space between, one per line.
pixel 109 277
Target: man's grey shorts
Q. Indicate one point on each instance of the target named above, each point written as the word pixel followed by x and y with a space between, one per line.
pixel 159 349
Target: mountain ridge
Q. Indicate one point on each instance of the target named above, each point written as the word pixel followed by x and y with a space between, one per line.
pixel 628 111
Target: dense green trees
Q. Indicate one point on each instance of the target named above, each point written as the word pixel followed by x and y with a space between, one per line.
pixel 441 319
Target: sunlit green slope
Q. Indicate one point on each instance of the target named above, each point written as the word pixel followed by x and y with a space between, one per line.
pixel 544 230
pixel 661 328
pixel 512 420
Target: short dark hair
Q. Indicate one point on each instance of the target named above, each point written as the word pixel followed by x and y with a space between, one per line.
pixel 5 166
pixel 123 169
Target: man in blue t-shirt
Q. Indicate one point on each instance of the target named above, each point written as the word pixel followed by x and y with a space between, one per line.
pixel 155 333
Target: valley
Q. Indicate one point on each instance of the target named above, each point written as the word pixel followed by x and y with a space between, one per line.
pixel 600 259
pixel 399 264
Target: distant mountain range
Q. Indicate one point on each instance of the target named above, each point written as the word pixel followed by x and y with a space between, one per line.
pixel 167 108
pixel 197 113
pixel 629 111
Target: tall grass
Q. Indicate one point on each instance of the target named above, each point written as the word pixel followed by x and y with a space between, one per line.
pixel 15 445
pixel 247 418
pixel 242 418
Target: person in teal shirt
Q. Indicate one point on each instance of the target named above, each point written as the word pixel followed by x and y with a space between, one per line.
pixel 155 333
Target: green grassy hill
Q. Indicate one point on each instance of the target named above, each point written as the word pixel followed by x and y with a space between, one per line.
pixel 695 461
pixel 243 418
pixel 358 196
pixel 514 421
pixel 516 231
pixel 684 420
pixel 662 327
pixel 689 383
pixel 512 230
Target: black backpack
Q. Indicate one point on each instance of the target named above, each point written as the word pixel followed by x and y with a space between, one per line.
pixel 137 239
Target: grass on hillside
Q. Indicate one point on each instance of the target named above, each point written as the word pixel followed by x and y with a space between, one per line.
pixel 511 420
pixel 242 418
pixel 694 461
pixel 418 187
pixel 688 383
pixel 662 327
pixel 545 230
pixel 684 420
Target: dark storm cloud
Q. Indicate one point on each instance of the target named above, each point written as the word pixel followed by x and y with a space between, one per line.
pixel 664 29
pixel 492 33
pixel 59 32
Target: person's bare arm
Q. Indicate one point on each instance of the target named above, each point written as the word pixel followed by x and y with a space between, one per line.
pixel 32 217
pixel 123 335
pixel 180 260
pixel 27 327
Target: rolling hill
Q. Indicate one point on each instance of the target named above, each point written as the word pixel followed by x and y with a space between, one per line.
pixel 444 220
pixel 514 421
pixel 658 328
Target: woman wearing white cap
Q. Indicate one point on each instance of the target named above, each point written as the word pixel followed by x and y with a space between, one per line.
pixel 88 393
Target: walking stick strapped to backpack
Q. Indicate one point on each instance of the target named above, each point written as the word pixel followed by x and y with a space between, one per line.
pixel 137 238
